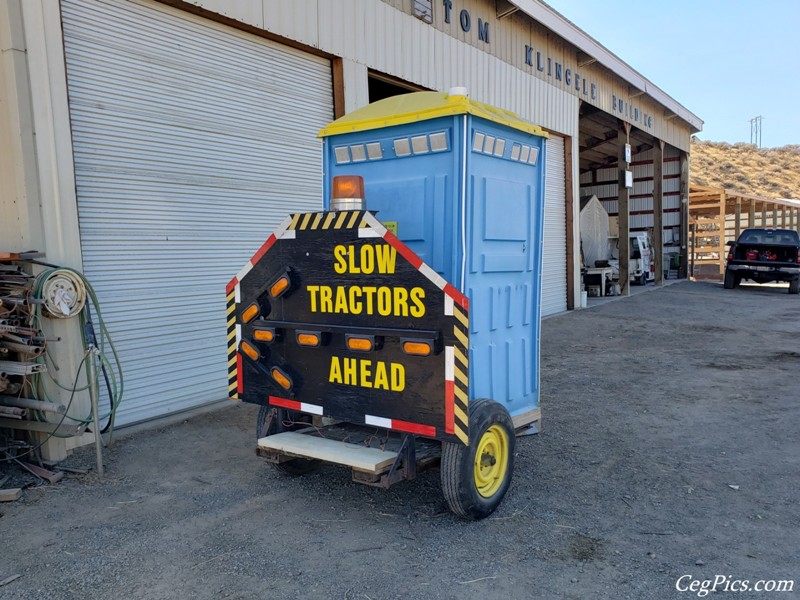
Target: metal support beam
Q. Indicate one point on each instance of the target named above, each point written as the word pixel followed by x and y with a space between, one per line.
pixel 658 211
pixel 505 9
pixel 623 242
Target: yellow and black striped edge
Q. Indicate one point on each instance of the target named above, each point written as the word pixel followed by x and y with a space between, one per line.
pixel 461 374
pixel 233 381
pixel 347 219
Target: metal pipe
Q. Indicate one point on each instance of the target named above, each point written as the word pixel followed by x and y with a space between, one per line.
pixel 93 392
pixel 9 412
pixel 32 404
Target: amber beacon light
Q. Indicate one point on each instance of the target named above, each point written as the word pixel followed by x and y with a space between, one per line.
pixel 347 192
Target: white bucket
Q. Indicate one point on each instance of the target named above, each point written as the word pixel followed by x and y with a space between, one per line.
pixel 584 299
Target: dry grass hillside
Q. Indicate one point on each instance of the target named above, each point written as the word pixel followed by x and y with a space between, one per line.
pixel 764 172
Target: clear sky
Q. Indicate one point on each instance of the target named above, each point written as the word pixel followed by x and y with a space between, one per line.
pixel 727 61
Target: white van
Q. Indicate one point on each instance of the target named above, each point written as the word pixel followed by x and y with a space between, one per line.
pixel 640 267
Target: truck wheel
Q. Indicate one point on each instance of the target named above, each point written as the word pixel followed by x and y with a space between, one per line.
pixel 272 420
pixel 643 279
pixel 794 286
pixel 476 477
pixel 729 280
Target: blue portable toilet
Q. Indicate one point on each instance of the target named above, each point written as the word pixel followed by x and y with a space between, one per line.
pixel 461 183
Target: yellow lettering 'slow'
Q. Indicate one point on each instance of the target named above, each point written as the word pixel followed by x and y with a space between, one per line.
pixel 366 259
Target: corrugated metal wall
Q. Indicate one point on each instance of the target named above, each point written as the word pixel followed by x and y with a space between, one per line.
pixel 554 263
pixel 391 41
pixel 386 37
pixel 191 141
pixel 604 183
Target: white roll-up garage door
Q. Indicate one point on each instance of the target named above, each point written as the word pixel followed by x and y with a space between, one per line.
pixel 554 257
pixel 192 141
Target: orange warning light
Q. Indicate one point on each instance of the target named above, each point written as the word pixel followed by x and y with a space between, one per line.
pixel 347 187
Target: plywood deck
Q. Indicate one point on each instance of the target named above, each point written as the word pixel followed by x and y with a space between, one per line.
pixel 359 457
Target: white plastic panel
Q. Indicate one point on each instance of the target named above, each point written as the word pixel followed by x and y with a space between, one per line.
pixel 554 257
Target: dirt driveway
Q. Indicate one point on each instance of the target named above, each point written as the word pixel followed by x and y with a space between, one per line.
pixel 671 447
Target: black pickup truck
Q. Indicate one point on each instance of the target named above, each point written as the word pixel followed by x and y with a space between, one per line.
pixel 764 255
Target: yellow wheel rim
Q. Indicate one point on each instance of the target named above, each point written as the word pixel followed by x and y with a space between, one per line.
pixel 491 461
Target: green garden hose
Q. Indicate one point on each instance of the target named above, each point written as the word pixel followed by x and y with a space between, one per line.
pixel 66 293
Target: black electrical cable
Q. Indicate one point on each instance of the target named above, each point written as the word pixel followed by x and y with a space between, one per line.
pixel 91 339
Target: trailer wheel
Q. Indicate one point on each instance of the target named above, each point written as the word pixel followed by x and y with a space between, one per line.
pixel 794 286
pixel 729 280
pixel 476 477
pixel 272 420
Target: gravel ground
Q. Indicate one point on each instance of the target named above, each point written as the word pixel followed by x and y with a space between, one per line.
pixel 670 447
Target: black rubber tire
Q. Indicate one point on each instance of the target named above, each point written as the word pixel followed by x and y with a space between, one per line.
pixel 737 279
pixel 457 468
pixel 295 466
pixel 643 279
pixel 794 286
pixel 729 280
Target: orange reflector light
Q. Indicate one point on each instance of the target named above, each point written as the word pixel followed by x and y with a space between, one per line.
pixel 417 347
pixel 347 186
pixel 279 287
pixel 282 378
pixel 307 338
pixel 264 335
pixel 250 350
pixel 360 344
pixel 250 313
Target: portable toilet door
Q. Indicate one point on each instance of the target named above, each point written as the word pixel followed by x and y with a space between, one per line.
pixel 502 266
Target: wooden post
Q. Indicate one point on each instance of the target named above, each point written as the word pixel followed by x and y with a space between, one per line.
pixel 751 214
pixel 623 242
pixel 684 187
pixel 570 205
pixel 337 73
pixel 774 216
pixel 658 211
pixel 738 226
pixel 721 238
pixel 783 217
pixel 764 214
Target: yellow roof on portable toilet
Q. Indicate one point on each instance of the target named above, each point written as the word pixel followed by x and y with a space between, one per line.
pixel 421 106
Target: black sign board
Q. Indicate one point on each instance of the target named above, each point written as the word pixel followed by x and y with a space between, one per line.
pixel 325 278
